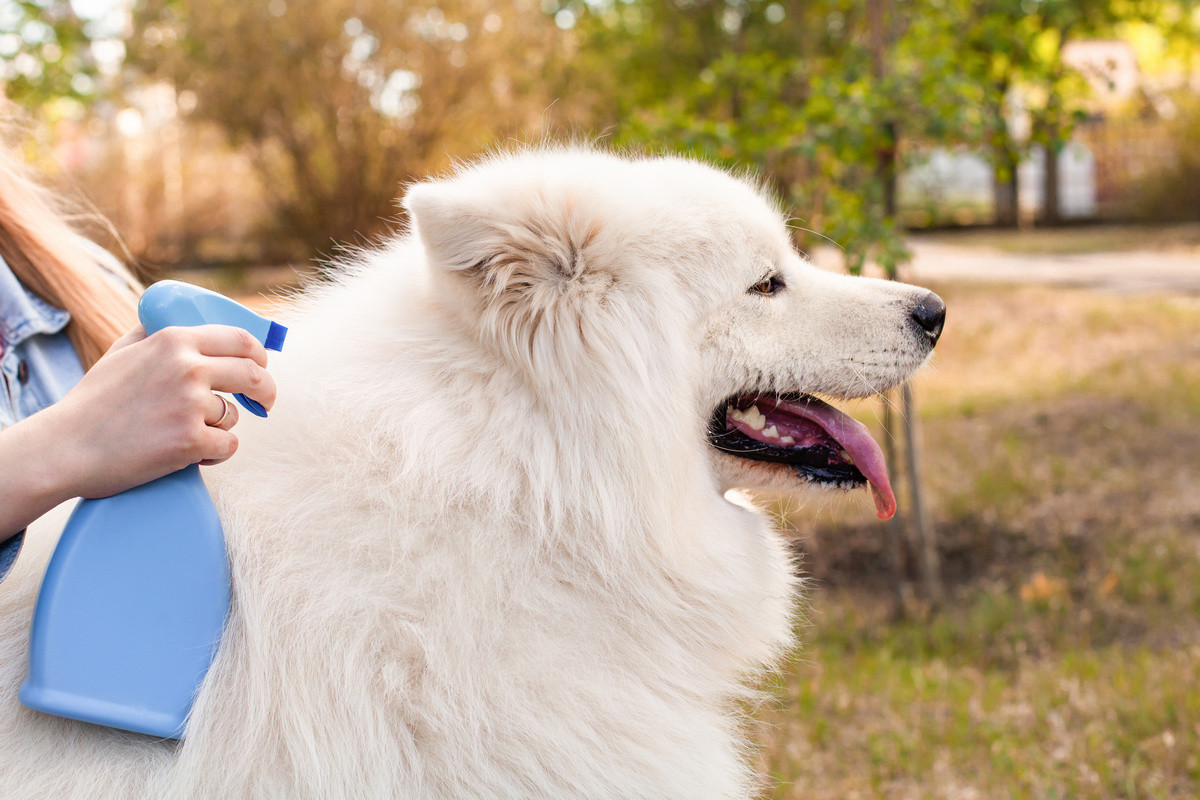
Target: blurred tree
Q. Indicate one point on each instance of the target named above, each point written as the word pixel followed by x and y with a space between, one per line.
pixel 817 92
pixel 342 100
pixel 45 52
pixel 993 52
pixel 1017 45
pixel 795 88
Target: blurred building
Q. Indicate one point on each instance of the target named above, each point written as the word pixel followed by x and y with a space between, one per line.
pixel 1124 141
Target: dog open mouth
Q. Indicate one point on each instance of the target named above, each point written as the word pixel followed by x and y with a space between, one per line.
pixel 819 442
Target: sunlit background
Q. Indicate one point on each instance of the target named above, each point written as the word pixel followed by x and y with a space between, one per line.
pixel 1030 626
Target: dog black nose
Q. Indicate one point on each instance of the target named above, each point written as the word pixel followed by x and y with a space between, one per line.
pixel 930 314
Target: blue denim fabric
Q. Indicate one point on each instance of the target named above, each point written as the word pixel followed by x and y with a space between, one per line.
pixel 9 550
pixel 38 365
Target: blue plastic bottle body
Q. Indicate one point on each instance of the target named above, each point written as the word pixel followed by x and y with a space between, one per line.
pixel 135 596
pixel 131 608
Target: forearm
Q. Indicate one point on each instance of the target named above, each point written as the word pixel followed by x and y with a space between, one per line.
pixel 33 477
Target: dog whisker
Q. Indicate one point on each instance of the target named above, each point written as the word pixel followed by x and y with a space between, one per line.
pixel 790 220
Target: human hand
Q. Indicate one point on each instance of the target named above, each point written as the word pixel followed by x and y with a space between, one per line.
pixel 147 407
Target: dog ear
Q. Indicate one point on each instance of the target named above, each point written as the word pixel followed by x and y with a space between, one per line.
pixel 521 239
pixel 456 230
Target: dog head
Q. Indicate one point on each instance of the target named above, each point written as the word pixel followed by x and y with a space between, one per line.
pixel 670 283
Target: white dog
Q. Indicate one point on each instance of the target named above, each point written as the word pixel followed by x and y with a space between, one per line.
pixel 482 547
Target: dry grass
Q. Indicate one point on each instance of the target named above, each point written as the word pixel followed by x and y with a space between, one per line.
pixel 1062 440
pixel 1062 444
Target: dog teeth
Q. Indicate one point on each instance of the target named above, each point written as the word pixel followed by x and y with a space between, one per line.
pixel 771 432
pixel 846 457
pixel 787 440
pixel 752 417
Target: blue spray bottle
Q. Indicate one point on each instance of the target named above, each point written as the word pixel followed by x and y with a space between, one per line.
pixel 135 596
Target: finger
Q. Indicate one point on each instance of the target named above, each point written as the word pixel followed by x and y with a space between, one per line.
pixel 221 413
pixel 242 376
pixel 215 446
pixel 135 335
pixel 228 341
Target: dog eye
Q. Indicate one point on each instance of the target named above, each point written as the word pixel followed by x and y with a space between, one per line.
pixel 769 285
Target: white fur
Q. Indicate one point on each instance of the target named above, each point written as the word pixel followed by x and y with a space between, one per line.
pixel 482 548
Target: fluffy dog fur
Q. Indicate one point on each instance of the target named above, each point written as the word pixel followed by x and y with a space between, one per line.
pixel 482 547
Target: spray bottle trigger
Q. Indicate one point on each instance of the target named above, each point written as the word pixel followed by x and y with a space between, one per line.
pixel 253 406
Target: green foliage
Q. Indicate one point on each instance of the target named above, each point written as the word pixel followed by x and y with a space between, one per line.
pixel 827 98
pixel 816 96
pixel 1018 43
pixel 45 52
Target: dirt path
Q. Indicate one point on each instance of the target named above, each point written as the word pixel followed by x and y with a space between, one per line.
pixel 1131 271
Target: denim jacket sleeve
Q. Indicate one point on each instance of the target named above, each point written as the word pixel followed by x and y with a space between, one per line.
pixel 10 548
pixel 38 365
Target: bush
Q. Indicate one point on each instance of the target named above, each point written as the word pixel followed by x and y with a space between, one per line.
pixel 1173 195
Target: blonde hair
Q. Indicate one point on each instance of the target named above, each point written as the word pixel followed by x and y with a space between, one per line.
pixel 56 263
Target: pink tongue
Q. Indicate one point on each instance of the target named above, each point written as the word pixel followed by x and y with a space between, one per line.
pixel 854 438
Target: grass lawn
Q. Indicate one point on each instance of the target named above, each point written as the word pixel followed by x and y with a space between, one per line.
pixel 1062 452
pixel 1061 434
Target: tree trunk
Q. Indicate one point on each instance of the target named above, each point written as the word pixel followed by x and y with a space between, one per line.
pixel 1052 134
pixel 896 549
pixel 887 169
pixel 1050 210
pixel 878 16
pixel 1006 190
pixel 926 536
pixel 1006 158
